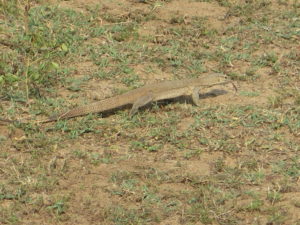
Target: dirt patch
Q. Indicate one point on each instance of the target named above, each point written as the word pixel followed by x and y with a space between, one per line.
pixel 188 9
pixel 232 160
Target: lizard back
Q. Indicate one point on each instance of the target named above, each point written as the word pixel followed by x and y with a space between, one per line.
pixel 131 96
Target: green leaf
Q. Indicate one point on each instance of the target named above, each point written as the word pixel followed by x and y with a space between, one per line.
pixel 55 65
pixel 35 76
pixel 11 78
pixel 1 79
pixel 64 47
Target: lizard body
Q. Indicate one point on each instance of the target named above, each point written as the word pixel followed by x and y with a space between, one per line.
pixel 144 95
pixel 149 93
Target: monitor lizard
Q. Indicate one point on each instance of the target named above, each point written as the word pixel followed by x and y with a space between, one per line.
pixel 144 95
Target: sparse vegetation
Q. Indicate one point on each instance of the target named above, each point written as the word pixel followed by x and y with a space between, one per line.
pixel 234 160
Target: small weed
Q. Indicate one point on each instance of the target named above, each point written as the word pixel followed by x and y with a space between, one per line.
pixel 267 59
pixel 51 55
pixel 255 205
pixel 80 154
pixel 278 216
pixel 126 216
pixel 255 177
pixel 291 169
pixel 273 196
pixel 59 207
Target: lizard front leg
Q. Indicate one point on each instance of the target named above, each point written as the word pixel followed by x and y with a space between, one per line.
pixel 195 96
pixel 142 101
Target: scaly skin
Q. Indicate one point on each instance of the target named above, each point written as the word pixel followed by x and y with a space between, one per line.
pixel 144 95
pixel 158 91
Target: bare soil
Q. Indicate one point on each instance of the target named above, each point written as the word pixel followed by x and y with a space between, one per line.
pixel 221 167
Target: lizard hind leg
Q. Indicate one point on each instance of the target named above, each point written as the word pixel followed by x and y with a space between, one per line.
pixel 195 96
pixel 142 101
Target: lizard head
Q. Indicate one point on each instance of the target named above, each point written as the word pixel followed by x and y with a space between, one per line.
pixel 217 78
